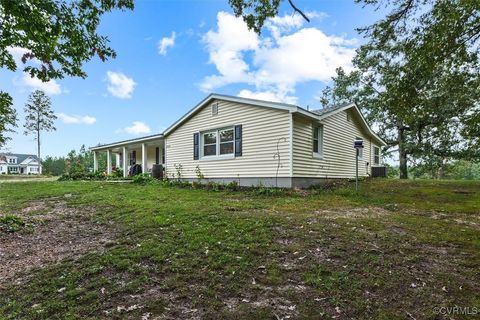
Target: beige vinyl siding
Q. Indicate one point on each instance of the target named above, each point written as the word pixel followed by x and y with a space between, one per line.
pixel 261 129
pixel 338 153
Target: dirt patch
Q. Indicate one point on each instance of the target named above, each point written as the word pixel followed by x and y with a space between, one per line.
pixel 59 232
pixel 353 213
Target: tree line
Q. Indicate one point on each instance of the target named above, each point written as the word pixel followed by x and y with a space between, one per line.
pixel 81 160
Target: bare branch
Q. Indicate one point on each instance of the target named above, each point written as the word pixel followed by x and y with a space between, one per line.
pixel 298 10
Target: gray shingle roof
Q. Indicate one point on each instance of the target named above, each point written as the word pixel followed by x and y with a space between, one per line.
pixel 328 109
pixel 20 156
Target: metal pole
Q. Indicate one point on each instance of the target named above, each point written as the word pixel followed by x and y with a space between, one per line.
pixel 356 170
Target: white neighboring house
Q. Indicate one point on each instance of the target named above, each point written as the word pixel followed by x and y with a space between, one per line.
pixel 227 138
pixel 15 163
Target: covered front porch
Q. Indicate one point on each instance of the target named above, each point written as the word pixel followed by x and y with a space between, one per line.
pixel 145 151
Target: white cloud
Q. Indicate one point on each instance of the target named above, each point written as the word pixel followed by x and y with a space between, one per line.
pixel 165 43
pixel 76 119
pixel 50 87
pixel 226 47
pixel 17 53
pixel 285 56
pixel 282 24
pixel 137 128
pixel 119 85
pixel 268 95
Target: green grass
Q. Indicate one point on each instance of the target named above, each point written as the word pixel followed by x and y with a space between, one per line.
pixel 394 248
pixel 11 223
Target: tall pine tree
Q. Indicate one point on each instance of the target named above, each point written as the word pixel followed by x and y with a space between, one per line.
pixel 39 116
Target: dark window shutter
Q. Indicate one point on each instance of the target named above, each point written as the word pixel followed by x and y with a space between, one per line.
pixel 157 155
pixel 238 140
pixel 196 138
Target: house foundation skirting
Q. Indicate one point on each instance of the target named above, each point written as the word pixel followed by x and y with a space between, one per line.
pixel 281 182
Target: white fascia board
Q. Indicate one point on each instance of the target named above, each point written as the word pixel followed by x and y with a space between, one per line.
pixel 27 160
pixel 331 113
pixel 105 147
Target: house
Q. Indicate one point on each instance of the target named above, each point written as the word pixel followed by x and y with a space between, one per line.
pixel 15 163
pixel 226 138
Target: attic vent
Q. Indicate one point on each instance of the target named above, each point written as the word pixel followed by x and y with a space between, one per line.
pixel 349 117
pixel 214 108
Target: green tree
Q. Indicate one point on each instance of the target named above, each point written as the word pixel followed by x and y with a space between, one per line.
pixel 418 74
pixel 256 12
pixel 39 116
pixel 418 77
pixel 54 166
pixel 8 117
pixel 58 37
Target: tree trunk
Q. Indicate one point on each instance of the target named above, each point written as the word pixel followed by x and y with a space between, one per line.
pixel 38 144
pixel 402 152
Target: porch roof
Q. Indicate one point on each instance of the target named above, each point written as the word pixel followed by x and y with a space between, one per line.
pixel 123 143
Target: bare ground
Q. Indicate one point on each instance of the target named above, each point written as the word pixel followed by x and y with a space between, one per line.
pixel 54 232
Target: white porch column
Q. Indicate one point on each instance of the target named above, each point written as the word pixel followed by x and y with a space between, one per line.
pixel 144 158
pixel 124 158
pixel 95 161
pixel 109 161
pixel 117 160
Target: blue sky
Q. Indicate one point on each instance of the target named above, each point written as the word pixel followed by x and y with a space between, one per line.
pixel 171 54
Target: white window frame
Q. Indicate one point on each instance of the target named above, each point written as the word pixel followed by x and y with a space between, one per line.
pixel 12 169
pixel 320 147
pixel 12 160
pixel 376 148
pixel 217 155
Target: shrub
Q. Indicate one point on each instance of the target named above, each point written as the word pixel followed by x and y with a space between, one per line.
pixel 143 178
pixel 232 186
pixel 117 172
pixel 213 186
pixel 11 223
pixel 197 185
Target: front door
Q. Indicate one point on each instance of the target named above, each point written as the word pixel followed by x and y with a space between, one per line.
pixel 21 170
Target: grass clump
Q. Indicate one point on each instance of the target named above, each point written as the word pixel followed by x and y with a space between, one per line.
pixel 11 223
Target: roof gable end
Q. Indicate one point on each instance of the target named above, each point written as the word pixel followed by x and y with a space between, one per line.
pixel 221 97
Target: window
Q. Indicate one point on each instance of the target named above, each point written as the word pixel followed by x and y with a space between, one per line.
pixel 360 150
pixel 218 143
pixel 34 169
pixel 210 144
pixel 12 160
pixel 349 117
pixel 226 141
pixel 13 169
pixel 318 141
pixel 376 155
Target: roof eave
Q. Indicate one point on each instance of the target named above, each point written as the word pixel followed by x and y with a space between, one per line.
pixel 125 142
